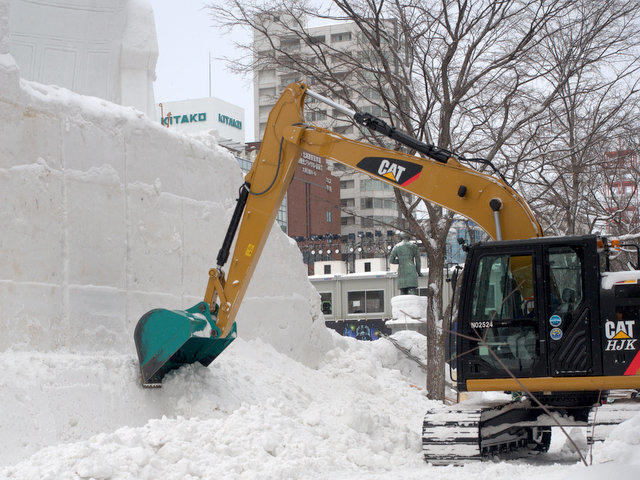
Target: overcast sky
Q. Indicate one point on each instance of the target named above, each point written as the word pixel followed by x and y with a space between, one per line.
pixel 185 37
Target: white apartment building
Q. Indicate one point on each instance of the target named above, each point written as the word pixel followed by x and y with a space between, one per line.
pixel 365 202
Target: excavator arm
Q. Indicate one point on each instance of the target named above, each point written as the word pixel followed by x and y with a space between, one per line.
pixel 488 201
pixel 166 339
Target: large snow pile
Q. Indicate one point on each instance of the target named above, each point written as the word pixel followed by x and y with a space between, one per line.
pixel 260 415
pixel 256 413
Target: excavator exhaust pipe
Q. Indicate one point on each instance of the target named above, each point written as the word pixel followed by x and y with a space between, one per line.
pixel 168 339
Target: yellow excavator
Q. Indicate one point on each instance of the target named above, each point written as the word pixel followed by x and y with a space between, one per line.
pixel 538 315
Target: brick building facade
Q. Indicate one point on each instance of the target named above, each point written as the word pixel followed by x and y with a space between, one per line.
pixel 313 199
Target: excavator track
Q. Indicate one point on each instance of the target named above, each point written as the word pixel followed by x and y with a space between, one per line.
pixel 451 436
pixel 462 434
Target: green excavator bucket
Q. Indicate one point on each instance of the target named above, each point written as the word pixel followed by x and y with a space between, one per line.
pixel 168 339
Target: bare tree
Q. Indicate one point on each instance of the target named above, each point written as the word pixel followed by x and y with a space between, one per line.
pixel 471 77
pixel 567 169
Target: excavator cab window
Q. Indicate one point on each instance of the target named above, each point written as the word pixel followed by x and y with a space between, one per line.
pixel 503 311
pixel 566 286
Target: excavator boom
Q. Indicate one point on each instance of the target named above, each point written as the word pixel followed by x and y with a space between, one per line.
pixel 446 182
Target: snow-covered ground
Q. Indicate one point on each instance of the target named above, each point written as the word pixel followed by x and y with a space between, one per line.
pixel 257 413
pixel 105 215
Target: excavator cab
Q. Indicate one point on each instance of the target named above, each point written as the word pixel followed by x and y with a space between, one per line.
pixel 535 304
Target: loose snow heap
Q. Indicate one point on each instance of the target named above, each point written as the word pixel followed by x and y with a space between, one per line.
pixel 407 309
pixel 107 215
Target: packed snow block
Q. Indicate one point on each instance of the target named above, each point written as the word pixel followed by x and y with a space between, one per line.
pixel 409 312
pixel 212 177
pixel 408 307
pixel 28 136
pixel 4 27
pixel 276 320
pixel 31 316
pixel 276 274
pixel 155 159
pixel 106 205
pixel 49 399
pixel 97 320
pixel 201 238
pixel 96 228
pixel 88 144
pixel 32 219
pixel 154 240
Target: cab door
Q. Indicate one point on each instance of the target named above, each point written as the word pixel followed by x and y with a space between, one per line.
pixel 502 307
pixel 569 309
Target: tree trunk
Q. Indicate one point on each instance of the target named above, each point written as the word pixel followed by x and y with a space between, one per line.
pixel 435 334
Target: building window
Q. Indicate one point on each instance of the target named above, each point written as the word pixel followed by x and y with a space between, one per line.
pixel 329 217
pixel 317 39
pixel 290 43
pixel 366 203
pixel 264 110
pixel 344 184
pixel 367 266
pixel 267 76
pixel 327 269
pixel 343 129
pixel 367 222
pixel 341 37
pixel 371 185
pixel 374 110
pixel 371 93
pixel 267 92
pixel 347 202
pixel 326 303
pixel 288 79
pixel 317 115
pixel 368 301
pixel 347 221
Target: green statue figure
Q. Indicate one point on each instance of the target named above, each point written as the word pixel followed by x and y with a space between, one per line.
pixel 407 256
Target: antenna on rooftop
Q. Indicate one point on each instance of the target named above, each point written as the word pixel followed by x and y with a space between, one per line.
pixel 209 73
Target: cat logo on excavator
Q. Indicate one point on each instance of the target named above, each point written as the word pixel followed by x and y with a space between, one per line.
pixel 620 335
pixel 398 171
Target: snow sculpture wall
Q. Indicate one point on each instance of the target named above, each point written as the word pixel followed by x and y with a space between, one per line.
pixel 104 48
pixel 106 214
pixel 8 67
pixel 4 27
